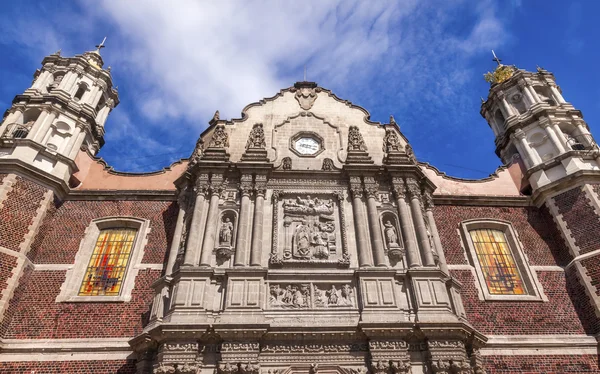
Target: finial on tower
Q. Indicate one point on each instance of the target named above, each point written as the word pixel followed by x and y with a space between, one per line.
pixel 101 45
pixel 496 58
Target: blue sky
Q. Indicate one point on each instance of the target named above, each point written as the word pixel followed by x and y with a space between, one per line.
pixel 175 63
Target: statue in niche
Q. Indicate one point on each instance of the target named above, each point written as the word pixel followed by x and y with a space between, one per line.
pixel 226 232
pixel 312 228
pixel 286 163
pixel 293 295
pixel 391 235
pixel 256 139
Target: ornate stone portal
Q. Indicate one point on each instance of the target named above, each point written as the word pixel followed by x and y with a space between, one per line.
pixel 302 253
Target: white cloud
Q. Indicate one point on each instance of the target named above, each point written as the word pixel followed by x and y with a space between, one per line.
pixel 195 57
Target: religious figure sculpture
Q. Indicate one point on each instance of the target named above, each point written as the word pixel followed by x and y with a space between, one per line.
pixel 226 232
pixel 302 240
pixel 286 163
pixel 293 295
pixel 256 139
pixel 355 140
pixel 391 235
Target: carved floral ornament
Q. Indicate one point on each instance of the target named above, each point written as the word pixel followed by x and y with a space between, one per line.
pixel 256 139
pixel 391 141
pixel 355 140
pixel 238 368
pixel 219 138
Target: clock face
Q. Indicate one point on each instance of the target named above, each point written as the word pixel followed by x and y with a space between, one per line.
pixel 307 146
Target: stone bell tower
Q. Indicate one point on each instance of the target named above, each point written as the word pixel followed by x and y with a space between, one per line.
pixel 64 109
pixel 536 126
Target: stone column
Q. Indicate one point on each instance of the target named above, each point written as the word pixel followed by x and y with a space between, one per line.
pixel 534 94
pixel 97 95
pixel 77 147
pixel 41 79
pixel 414 192
pixel 73 139
pixel 438 249
pixel 523 86
pixel 406 226
pixel 260 189
pixel 212 220
pixel 504 105
pixel 533 157
pixel 557 95
pixel 545 124
pixel 43 132
pixel 38 124
pixel 11 118
pixel 360 229
pixel 176 242
pixel 67 82
pixel 102 115
pixel 241 241
pixel 89 96
pixel 192 252
pixel 371 189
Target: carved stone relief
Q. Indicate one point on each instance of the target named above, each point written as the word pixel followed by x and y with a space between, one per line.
pixel 394 245
pixel 219 138
pixel 310 296
pixel 308 230
pixel 286 163
pixel 306 96
pixel 256 139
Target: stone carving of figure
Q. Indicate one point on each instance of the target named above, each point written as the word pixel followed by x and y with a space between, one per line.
pixel 391 235
pixel 319 244
pixel 256 139
pixel 328 165
pixel 197 154
pixel 286 163
pixel 391 142
pixel 355 140
pixel 302 239
pixel 392 120
pixel 226 232
pixel 292 296
pixel 332 296
pixel 219 138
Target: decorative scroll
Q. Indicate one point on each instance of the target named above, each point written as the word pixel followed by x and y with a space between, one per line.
pixel 311 296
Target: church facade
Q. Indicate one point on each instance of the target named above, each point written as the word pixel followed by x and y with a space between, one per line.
pixel 299 238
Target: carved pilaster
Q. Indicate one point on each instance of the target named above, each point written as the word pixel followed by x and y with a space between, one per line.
pixel 179 358
pixel 389 357
pixel 356 188
pixel 448 357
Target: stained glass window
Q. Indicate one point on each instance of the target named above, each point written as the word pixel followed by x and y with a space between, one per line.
pixel 501 273
pixel 107 266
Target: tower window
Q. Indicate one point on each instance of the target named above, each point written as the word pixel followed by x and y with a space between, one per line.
pixel 499 262
pixel 80 91
pixel 499 118
pixel 108 263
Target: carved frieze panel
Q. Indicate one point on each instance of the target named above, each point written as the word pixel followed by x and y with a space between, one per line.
pixel 310 295
pixel 308 228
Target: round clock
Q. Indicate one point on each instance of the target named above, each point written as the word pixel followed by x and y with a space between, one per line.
pixel 307 145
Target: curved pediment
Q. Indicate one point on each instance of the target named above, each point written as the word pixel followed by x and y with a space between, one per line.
pixel 291 116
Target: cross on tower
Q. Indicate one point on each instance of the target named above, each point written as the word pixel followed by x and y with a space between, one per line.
pixel 101 45
pixel 496 58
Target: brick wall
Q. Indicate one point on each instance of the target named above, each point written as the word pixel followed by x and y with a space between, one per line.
pixel 7 264
pixel 64 226
pixel 581 219
pixel 541 364
pixel 36 315
pixel 557 316
pixel 14 301
pixel 71 367
pixel 535 228
pixel 18 212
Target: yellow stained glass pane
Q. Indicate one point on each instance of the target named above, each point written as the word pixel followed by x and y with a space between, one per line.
pixel 106 269
pixel 500 271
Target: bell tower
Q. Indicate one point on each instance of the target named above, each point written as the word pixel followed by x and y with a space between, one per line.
pixel 64 110
pixel 531 120
pixel 535 126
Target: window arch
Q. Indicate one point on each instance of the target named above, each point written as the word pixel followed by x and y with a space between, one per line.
pixel 81 90
pixel 495 252
pixel 107 262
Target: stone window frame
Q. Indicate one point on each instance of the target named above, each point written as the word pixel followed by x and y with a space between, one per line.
pixel 532 285
pixel 69 291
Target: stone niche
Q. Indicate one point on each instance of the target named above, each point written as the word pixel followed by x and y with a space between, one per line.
pixel 308 231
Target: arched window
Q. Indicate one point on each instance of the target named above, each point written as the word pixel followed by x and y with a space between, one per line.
pixel 497 262
pixel 80 91
pixel 106 269
pixel 108 260
pixel 500 264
